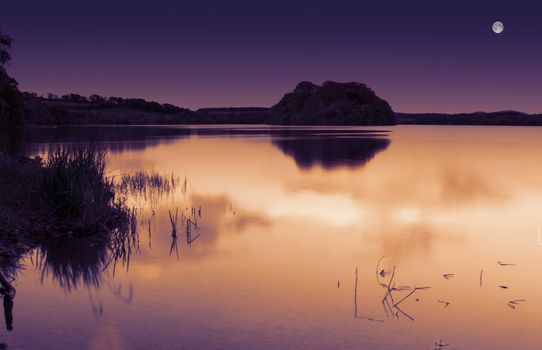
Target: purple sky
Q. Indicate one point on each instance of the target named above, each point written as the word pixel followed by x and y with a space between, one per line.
pixel 421 56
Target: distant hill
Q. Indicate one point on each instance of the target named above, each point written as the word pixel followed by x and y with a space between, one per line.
pixel 337 104
pixel 77 109
pixel 332 103
pixel 477 118
pixel 235 115
pixel 234 110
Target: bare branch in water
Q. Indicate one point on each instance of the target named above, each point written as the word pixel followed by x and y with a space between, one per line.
pixel 389 284
pixel 173 222
pixel 356 295
pixel 378 264
pixel 513 303
pixel 446 303
pixel 440 345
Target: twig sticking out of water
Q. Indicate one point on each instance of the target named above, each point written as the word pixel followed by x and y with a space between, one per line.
pixel 399 310
pixel 446 303
pixel 401 288
pixel 423 288
pixel 189 225
pixel 513 303
pixel 173 222
pixel 516 301
pixel 503 287
pixel 391 308
pixel 448 275
pixel 382 273
pixel 481 272
pixel 150 234
pixel 409 294
pixel 371 319
pixel 174 247
pixel 356 295
pixel 388 292
pixel 440 345
pixel 505 264
pixel 185 186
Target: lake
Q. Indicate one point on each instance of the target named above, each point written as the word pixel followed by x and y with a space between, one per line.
pixel 405 237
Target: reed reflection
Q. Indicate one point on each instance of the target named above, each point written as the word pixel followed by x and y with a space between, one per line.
pixel 165 212
pixel 8 293
pixel 73 263
pixel 10 265
pixel 114 139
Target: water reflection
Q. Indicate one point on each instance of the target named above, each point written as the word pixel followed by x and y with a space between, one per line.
pixel 191 229
pixel 220 218
pixel 282 229
pixel 407 239
pixel 9 268
pixel 8 293
pixel 72 263
pixel 331 151
pixel 308 146
pixel 113 138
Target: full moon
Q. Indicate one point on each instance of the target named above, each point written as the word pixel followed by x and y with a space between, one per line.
pixel 498 27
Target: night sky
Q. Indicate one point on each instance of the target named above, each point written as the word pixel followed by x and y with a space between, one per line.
pixel 421 56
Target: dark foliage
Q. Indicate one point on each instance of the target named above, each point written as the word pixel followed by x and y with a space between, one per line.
pixel 77 190
pixel 73 109
pixel 332 104
pixel 11 100
pixel 479 118
pixel 97 101
pixel 5 43
pixel 74 98
pixel 229 110
pixel 68 194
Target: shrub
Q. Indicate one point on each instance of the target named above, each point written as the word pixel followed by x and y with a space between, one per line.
pixel 78 192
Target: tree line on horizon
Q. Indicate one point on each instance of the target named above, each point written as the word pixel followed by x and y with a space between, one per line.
pixel 68 110
pixel 18 107
pixel 107 102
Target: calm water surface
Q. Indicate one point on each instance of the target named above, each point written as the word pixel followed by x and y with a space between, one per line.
pixel 287 216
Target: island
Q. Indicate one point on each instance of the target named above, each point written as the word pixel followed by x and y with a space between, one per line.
pixel 332 103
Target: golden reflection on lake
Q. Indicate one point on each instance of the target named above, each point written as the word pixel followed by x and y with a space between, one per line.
pixel 287 218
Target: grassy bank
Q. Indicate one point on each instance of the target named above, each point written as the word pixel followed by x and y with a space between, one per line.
pixel 66 195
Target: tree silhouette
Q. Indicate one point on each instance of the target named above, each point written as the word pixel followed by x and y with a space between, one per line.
pixel 97 99
pixel 11 99
pixel 5 43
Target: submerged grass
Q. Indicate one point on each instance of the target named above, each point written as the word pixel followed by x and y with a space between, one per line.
pixel 150 187
pixel 142 182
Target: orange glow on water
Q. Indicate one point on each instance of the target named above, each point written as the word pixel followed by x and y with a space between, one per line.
pixel 275 264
